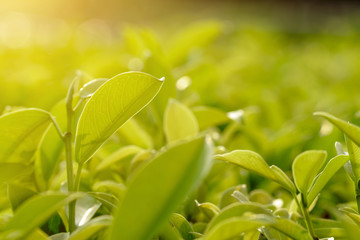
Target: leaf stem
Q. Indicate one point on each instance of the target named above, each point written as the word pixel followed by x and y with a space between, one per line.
pixel 57 127
pixel 305 213
pixel 77 178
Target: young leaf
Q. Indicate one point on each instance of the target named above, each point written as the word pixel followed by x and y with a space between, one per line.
pixel 233 227
pixel 116 101
pixel 158 188
pixel 35 212
pixel 92 227
pixel 179 122
pixel 305 168
pixel 21 132
pixel 323 178
pixel 252 161
pixel 182 225
pixel 351 130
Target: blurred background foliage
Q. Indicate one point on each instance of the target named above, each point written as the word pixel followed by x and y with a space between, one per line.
pixel 275 62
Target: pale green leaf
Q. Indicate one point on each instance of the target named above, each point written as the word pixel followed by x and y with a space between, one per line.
pixel 233 227
pixel 179 122
pixel 21 132
pixel 159 187
pixel 91 228
pixel 323 178
pixel 115 102
pixel 305 168
pixel 35 212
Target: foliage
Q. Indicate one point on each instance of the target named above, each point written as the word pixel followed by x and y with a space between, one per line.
pixel 136 156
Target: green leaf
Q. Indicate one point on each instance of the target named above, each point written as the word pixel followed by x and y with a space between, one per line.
pixel 208 209
pixel 35 212
pixel 305 168
pixel 236 210
pixel 11 171
pixel 209 117
pixel 91 228
pixel 21 132
pixel 182 225
pixel 115 102
pixel 323 178
pixel 90 88
pixel 158 188
pixel 233 227
pixel 351 130
pixel 252 161
pixel 179 122
pixel 118 156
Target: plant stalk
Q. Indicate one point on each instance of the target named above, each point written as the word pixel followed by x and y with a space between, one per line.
pixel 69 154
pixel 306 215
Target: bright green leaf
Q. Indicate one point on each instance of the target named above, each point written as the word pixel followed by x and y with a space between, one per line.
pixel 252 161
pixel 21 132
pixel 305 168
pixel 158 188
pixel 349 129
pixel 116 101
pixel 179 122
pixel 323 178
